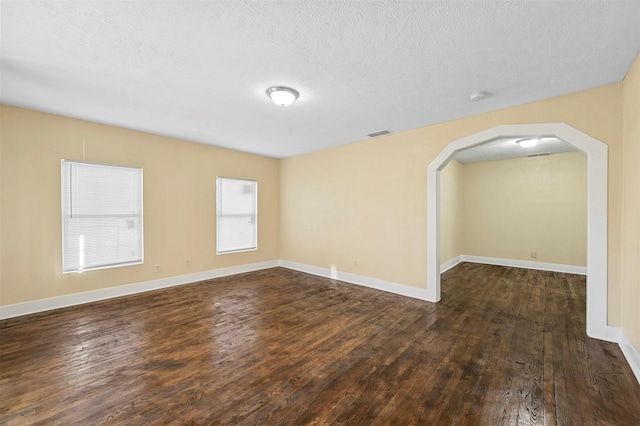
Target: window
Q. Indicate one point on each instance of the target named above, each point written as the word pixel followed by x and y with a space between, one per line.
pixel 101 216
pixel 237 213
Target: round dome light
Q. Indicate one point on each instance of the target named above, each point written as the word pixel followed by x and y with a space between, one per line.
pixel 283 96
pixel 528 142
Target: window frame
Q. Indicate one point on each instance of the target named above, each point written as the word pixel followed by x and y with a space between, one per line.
pixel 219 203
pixel 65 195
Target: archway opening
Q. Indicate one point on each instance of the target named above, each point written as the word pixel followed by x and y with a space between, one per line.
pixel 597 178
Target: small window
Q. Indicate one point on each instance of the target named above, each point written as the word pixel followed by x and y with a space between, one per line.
pixel 237 215
pixel 101 216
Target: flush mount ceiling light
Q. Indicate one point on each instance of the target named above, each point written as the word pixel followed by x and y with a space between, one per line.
pixel 478 96
pixel 528 142
pixel 283 96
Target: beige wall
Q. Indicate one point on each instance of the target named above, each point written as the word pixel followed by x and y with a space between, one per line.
pixel 179 203
pixel 367 200
pixel 514 207
pixel 451 211
pixel 630 291
pixel 364 201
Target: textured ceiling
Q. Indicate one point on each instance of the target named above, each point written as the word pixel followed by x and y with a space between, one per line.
pixel 199 70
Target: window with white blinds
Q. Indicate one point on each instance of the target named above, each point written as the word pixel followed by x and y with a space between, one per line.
pixel 237 215
pixel 101 216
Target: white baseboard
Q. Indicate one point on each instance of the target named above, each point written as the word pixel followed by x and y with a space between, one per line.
pixel 450 264
pixel 631 354
pixel 18 309
pixel 41 305
pixel 391 287
pixel 554 267
pixel 607 333
pixel 612 334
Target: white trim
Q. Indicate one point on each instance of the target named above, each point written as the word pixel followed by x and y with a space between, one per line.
pixel 597 210
pixel 32 307
pixel 66 210
pixel 540 266
pixel 631 354
pixel 219 215
pixel 451 263
pixel 609 333
pixel 391 287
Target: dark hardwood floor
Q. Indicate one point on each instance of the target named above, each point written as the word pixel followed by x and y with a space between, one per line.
pixel 505 346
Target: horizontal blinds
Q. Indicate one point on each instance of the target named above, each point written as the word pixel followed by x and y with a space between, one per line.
pixel 237 225
pixel 101 216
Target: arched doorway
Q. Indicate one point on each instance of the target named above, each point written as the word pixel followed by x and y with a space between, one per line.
pixel 597 178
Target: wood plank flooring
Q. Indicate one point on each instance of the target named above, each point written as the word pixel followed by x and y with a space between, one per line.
pixel 505 346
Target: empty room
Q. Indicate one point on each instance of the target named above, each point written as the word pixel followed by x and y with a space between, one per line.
pixel 319 212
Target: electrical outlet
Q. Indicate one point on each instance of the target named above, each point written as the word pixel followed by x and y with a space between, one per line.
pixel 157 268
pixel 355 263
pixel 187 263
pixel 534 255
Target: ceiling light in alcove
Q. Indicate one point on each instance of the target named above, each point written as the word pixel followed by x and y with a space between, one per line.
pixel 283 96
pixel 528 142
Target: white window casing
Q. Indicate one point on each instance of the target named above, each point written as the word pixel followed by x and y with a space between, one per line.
pixel 102 220
pixel 237 215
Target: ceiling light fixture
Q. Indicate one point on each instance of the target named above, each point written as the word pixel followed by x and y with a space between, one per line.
pixel 528 142
pixel 283 96
pixel 478 96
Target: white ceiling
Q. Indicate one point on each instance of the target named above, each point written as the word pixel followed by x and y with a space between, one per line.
pixel 199 70
pixel 507 148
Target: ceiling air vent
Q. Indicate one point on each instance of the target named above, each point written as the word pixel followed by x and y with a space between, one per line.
pixel 379 133
pixel 539 155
